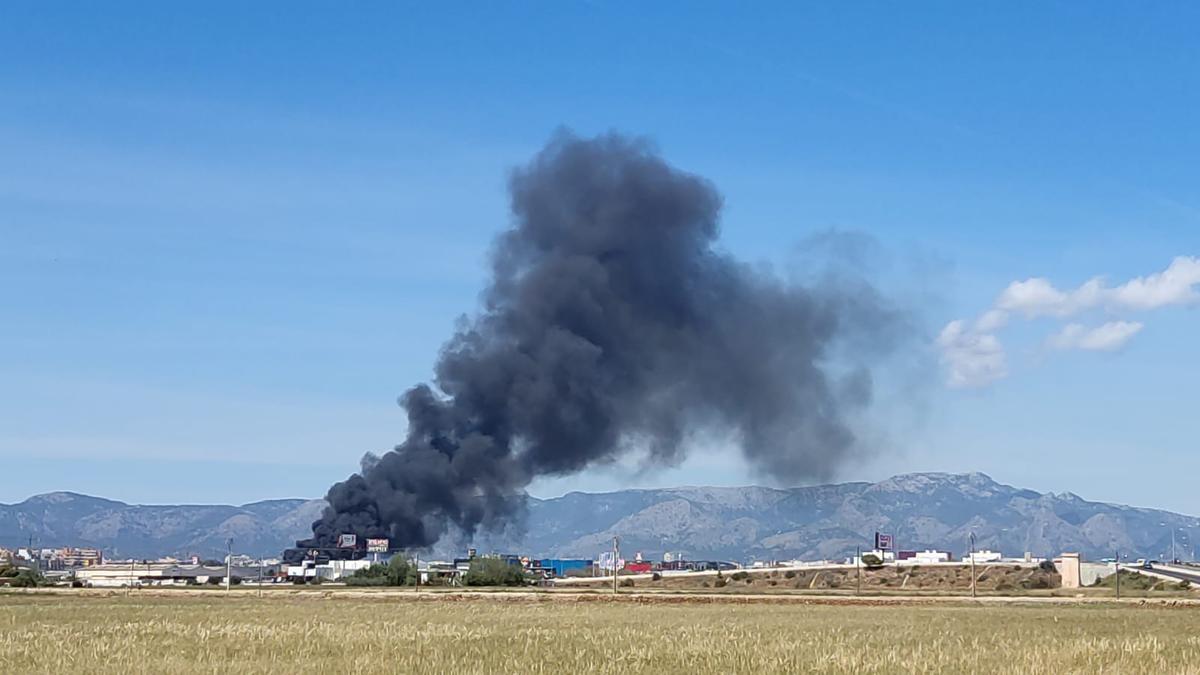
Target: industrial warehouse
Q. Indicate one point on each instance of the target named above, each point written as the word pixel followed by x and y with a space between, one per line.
pixel 319 566
pixel 372 562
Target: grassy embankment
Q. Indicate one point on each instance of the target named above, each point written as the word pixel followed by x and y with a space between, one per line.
pixel 1014 579
pixel 286 633
pixel 918 580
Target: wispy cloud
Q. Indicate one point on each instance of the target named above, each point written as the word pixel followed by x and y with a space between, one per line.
pixel 971 358
pixel 1038 297
pixel 1105 338
pixel 973 355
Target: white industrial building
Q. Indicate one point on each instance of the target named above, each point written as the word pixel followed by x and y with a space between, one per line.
pixel 929 557
pixel 123 575
pixel 334 570
pixel 980 557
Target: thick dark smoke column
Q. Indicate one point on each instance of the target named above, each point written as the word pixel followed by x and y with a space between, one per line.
pixel 612 324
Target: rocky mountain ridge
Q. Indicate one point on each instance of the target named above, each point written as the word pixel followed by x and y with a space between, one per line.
pixel 922 510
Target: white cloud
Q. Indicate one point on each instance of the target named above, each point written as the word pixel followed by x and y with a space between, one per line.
pixel 973 355
pixel 1038 297
pixel 1173 286
pixel 972 359
pixel 991 320
pixel 1106 338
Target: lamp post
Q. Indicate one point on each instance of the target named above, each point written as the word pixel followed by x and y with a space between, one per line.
pixel 858 570
pixel 971 555
pixel 614 564
pixel 228 562
pixel 1117 574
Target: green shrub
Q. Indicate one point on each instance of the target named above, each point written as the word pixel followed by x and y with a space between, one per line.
pixel 739 576
pixel 399 571
pixel 790 574
pixel 626 583
pixel 720 582
pixel 1035 582
pixel 871 560
pixel 27 579
pixel 493 572
pixel 355 580
pixel 656 577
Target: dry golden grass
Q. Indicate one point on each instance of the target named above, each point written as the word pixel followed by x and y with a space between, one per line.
pixel 285 633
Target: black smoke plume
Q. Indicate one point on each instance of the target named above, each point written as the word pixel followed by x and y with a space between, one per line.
pixel 613 325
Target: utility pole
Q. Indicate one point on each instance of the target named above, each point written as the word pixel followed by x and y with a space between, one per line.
pixel 858 571
pixel 1117 574
pixel 1172 545
pixel 417 572
pixel 971 555
pixel 260 575
pixel 615 553
pixel 33 557
pixel 228 562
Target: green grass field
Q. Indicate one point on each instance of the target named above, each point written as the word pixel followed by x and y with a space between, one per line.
pixel 286 633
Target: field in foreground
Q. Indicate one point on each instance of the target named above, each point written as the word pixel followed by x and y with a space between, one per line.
pixel 212 633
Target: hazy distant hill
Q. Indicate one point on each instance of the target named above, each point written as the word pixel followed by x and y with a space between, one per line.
pixel 929 510
pixel 66 518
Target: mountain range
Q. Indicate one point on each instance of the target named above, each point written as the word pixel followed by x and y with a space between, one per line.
pixel 922 510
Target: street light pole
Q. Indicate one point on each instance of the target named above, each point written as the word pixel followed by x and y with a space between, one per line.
pixel 858 570
pixel 971 555
pixel 1116 565
pixel 228 562
pixel 614 565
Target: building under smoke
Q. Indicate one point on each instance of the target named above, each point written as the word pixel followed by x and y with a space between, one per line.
pixel 613 324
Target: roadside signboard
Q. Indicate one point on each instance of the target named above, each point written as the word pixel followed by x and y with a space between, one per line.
pixel 883 542
pixel 377 545
pixel 347 541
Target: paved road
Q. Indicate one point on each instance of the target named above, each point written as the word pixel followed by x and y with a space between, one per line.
pixel 1191 574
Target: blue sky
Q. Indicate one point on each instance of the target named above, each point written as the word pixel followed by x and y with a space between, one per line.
pixel 230 237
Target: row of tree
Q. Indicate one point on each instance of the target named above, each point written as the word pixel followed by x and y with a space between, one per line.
pixel 20 577
pixel 401 572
